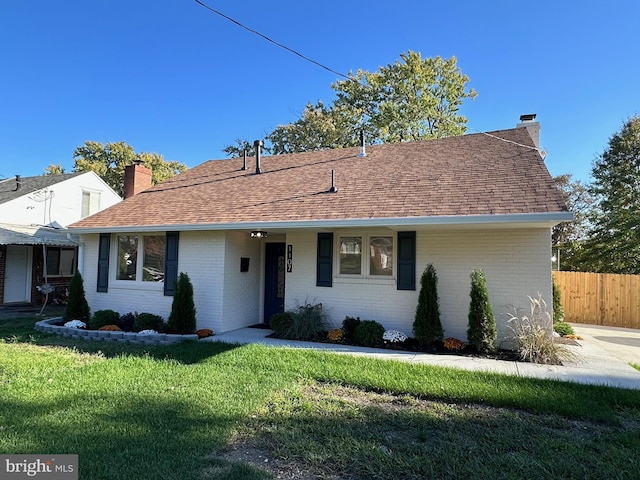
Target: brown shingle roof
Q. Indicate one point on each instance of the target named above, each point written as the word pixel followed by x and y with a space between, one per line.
pixel 466 175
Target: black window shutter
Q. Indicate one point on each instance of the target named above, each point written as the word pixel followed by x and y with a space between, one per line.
pixel 406 261
pixel 171 263
pixel 324 270
pixel 103 262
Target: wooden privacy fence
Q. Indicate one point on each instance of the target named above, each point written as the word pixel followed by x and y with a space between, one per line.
pixel 600 298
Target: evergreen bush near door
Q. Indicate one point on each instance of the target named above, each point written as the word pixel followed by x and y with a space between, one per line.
pixel 183 310
pixel 482 333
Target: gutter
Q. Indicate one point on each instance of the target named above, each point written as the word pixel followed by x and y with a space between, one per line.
pixel 545 219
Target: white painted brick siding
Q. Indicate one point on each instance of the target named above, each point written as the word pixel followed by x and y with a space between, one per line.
pixel 516 263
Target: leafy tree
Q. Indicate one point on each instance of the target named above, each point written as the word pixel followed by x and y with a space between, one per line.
pixel 482 333
pixel 569 236
pixel 411 99
pixel 109 161
pixel 426 326
pixel 613 245
pixel 182 318
pixel 54 169
pixel 77 307
pixel 240 147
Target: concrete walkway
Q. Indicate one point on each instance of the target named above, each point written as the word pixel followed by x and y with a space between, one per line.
pixel 598 360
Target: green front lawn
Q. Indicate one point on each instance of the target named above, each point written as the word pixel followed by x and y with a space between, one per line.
pixel 214 411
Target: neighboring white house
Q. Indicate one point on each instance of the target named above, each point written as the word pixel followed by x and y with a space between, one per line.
pixel 34 212
pixel 350 228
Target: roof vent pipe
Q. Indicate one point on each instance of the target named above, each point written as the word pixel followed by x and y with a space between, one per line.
pixel 18 183
pixel 362 153
pixel 258 146
pixel 333 188
pixel 244 159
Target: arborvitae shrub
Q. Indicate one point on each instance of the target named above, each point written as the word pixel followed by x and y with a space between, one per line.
pixel 148 321
pixel 426 326
pixel 77 307
pixel 280 323
pixel 349 325
pixel 104 317
pixel 558 311
pixel 369 333
pixel 183 310
pixel 482 333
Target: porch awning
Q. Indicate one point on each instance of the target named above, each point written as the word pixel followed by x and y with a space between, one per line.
pixel 11 234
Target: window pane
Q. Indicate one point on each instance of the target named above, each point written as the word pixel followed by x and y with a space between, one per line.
pixel 153 265
pixel 53 261
pixel 381 255
pixel 351 255
pixel 67 261
pixel 86 204
pixel 127 257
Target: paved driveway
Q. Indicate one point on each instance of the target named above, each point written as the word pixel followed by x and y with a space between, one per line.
pixel 621 343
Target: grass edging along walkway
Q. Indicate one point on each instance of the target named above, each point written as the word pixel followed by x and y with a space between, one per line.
pixel 110 336
pixel 143 412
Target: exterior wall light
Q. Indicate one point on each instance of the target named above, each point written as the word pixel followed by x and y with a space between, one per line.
pixel 258 234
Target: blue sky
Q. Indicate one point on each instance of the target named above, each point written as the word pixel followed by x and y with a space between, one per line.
pixel 170 77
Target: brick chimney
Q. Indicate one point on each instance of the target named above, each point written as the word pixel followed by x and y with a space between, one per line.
pixel 137 178
pixel 528 121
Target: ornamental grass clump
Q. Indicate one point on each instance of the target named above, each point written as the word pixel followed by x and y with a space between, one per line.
pixel 310 321
pixel 533 335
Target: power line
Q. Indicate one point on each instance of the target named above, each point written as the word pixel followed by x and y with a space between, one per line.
pixel 542 152
pixel 255 32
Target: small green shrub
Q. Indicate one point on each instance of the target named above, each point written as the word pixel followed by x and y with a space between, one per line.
pixel 126 322
pixel 183 309
pixel 426 326
pixel 77 307
pixel 533 335
pixel 482 333
pixel 562 328
pixel 369 333
pixel 280 323
pixel 102 318
pixel 148 321
pixel 349 325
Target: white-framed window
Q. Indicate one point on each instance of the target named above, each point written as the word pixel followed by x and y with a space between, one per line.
pixel 140 258
pixel 61 261
pixel 90 203
pixel 366 255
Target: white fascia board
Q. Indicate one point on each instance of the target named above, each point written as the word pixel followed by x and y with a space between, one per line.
pixel 542 219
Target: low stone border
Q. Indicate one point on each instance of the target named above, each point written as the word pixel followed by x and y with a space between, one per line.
pixel 108 336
